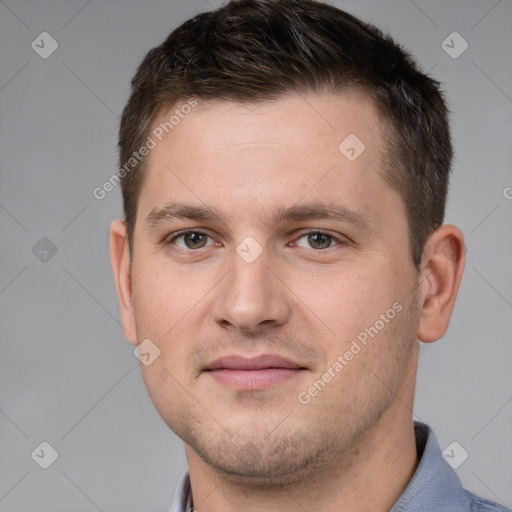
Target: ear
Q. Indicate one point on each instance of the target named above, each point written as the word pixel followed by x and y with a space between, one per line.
pixel 121 265
pixel 442 265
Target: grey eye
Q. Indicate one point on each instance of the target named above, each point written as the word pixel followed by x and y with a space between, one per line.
pixel 317 240
pixel 192 240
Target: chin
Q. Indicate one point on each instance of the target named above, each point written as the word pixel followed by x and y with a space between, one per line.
pixel 263 461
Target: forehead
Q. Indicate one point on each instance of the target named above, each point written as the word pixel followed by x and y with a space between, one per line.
pixel 226 154
pixel 311 121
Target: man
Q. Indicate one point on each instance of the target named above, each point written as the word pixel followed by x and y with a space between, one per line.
pixel 284 171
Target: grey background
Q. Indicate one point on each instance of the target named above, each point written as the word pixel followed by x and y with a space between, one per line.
pixel 68 377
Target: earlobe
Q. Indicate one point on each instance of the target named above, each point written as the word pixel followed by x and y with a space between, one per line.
pixel 441 273
pixel 120 260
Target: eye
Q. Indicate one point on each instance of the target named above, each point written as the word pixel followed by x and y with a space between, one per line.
pixel 190 240
pixel 318 240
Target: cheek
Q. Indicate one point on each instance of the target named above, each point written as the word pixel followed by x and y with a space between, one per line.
pixel 161 296
pixel 168 306
pixel 161 308
pixel 349 300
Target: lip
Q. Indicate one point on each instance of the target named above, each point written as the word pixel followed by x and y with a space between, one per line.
pixel 265 361
pixel 253 373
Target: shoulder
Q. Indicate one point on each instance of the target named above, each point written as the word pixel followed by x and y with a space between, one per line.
pixel 479 504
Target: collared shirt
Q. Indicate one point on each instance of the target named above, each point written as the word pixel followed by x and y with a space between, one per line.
pixel 434 487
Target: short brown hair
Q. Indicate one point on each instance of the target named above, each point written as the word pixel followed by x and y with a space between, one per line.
pixel 257 50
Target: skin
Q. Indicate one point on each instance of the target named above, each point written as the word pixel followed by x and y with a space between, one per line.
pixel 352 446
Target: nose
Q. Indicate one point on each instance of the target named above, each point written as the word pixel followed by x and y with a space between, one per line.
pixel 251 298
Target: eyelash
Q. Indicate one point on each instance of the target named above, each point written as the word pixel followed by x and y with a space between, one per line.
pixel 172 239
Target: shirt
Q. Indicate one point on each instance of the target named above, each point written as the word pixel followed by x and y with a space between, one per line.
pixel 434 487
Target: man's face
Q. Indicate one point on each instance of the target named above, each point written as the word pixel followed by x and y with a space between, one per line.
pixel 266 271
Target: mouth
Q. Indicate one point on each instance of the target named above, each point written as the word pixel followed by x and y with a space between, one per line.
pixel 253 373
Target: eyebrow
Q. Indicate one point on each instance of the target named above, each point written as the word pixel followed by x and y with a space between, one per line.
pixel 310 211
